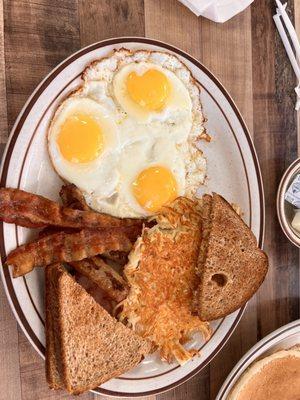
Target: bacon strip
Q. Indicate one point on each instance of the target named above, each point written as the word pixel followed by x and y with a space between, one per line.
pixel 50 230
pixel 72 197
pixel 67 247
pixel 104 276
pixel 118 257
pixel 34 211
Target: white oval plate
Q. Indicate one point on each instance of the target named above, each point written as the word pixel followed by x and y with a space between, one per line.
pixel 283 338
pixel 233 171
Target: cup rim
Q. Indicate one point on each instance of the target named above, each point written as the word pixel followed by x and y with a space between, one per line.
pixel 283 186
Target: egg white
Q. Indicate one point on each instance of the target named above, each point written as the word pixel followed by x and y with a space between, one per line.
pixel 178 107
pixel 134 159
pixel 99 176
pixel 186 124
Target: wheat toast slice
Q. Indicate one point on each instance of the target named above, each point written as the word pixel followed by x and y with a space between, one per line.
pixel 231 267
pixel 93 347
pixel 52 369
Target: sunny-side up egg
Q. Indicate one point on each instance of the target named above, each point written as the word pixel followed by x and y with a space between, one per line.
pixel 83 146
pixel 148 92
pixel 148 104
pixel 153 175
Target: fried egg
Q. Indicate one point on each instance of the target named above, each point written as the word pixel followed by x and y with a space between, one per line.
pixel 153 174
pixel 147 107
pixel 83 145
pixel 148 92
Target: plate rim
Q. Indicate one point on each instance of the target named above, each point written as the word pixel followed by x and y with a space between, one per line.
pixel 14 304
pixel 236 372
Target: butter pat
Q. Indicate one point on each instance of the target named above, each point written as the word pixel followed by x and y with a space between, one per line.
pixel 296 221
pixel 293 193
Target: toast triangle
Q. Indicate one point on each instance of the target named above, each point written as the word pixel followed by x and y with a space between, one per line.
pixel 231 267
pixel 90 346
pixel 52 363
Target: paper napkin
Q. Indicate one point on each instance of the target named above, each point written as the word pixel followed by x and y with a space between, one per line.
pixel 217 10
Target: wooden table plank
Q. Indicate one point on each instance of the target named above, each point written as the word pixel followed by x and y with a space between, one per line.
pixel 173 23
pixel 3 107
pixel 297 25
pixel 106 19
pixel 10 384
pixel 227 52
pixel 38 35
pixel 275 136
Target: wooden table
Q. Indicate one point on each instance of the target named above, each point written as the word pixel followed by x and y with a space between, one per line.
pixel 248 57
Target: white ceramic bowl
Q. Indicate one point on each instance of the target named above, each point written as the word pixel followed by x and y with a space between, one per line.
pixel 285 210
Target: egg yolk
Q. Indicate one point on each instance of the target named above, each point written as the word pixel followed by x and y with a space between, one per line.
pixel 150 90
pixel 154 187
pixel 80 139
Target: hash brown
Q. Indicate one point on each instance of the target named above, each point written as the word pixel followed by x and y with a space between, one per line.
pixel 162 278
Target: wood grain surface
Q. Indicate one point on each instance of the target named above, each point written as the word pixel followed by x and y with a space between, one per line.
pixel 246 54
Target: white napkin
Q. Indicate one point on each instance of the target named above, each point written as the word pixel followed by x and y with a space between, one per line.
pixel 217 10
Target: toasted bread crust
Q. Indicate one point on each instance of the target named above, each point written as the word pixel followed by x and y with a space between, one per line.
pixel 52 370
pixel 93 346
pixel 231 267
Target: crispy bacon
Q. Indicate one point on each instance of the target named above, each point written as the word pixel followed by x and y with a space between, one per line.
pixel 133 232
pixel 67 247
pixel 118 257
pixel 104 276
pixel 98 295
pixel 72 197
pixel 50 230
pixel 34 211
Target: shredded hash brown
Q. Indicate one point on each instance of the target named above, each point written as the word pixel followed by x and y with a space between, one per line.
pixel 161 275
